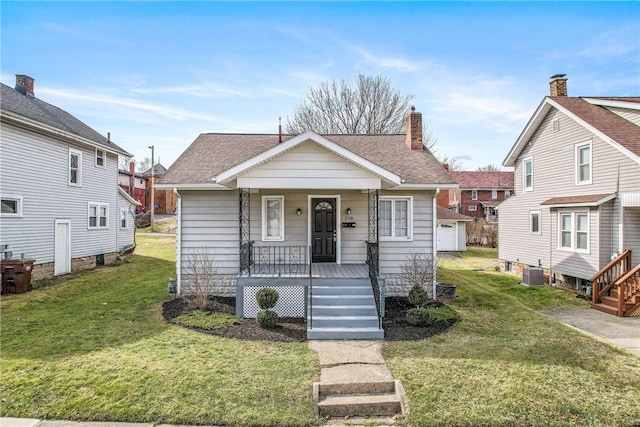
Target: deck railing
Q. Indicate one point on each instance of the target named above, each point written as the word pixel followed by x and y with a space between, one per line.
pixel 628 290
pixel 277 261
pixel 605 279
pixel 373 257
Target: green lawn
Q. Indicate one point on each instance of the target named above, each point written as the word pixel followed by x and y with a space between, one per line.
pixel 506 365
pixel 95 348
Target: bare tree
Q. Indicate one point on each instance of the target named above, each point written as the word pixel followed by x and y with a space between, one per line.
pixel 123 163
pixel 455 164
pixel 419 268
pixel 371 106
pixel 489 168
pixel 144 164
pixel 202 271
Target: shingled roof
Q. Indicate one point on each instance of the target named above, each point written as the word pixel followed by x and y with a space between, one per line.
pixel 213 153
pixel 475 180
pixel 42 112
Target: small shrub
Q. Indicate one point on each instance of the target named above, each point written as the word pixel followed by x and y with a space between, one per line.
pixel 267 298
pixel 442 314
pixel 419 316
pixel 418 296
pixel 267 319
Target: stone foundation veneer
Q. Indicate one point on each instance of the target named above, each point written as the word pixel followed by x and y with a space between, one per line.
pixel 397 286
pixel 560 281
pixel 224 286
pixel 46 270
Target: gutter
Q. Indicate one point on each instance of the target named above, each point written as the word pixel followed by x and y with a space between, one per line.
pixel 434 240
pixel 179 241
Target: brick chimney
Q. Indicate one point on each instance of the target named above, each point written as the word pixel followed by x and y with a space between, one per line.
pixel 443 195
pixel 24 85
pixel 558 85
pixel 414 130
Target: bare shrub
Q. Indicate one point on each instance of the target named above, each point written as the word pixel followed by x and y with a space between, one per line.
pixel 203 272
pixel 481 232
pixel 419 269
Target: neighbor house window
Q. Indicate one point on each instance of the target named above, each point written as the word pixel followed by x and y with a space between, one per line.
pixel 100 156
pixel 395 218
pixel 474 194
pixel 583 163
pixel 507 194
pixel 573 231
pixel 527 174
pixel 273 218
pixel 75 167
pixel 123 218
pixel 534 222
pixel 11 205
pixel 473 208
pixel 494 194
pixel 98 215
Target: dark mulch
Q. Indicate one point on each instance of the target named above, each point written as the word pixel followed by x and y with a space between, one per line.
pixel 395 325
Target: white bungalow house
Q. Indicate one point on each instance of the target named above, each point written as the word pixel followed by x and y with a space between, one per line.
pixel 326 219
pixel 576 213
pixel 61 203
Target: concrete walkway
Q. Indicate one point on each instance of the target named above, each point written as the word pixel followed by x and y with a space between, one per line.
pixel 623 332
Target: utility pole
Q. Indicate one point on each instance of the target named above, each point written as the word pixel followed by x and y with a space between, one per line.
pixel 153 195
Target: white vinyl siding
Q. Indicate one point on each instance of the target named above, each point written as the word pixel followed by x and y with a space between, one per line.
pixel 395 218
pixel 527 174
pixel 11 206
pixel 75 167
pixel 48 196
pixel 273 218
pixel 583 163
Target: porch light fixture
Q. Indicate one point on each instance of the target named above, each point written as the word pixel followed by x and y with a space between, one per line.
pixel 348 211
pixel 299 212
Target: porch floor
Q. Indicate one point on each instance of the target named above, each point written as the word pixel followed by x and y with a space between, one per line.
pixel 325 270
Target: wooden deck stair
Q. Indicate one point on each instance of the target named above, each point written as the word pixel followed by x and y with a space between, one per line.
pixel 616 288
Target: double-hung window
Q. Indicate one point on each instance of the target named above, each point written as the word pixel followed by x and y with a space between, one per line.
pixel 75 167
pixel 395 218
pixel 494 194
pixel 573 231
pixel 100 157
pixel 273 218
pixel 534 222
pixel 11 205
pixel 474 194
pixel 527 174
pixel 98 215
pixel 583 163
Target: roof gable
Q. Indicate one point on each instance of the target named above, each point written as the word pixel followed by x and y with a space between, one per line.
pixel 608 126
pixel 35 112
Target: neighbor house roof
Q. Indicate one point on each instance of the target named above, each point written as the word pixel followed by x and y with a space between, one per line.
pixel 211 154
pixel 474 180
pixel 18 106
pixel 158 171
pixel 590 112
pixel 443 213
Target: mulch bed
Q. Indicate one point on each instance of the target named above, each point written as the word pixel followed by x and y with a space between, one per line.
pixel 395 325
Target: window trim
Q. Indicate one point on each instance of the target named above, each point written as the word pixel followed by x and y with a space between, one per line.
pixel 531 214
pixel 126 219
pixel 98 207
pixel 474 194
pixel 73 151
pixel 524 174
pixel 475 208
pixel 19 205
pixel 578 147
pixel 104 158
pixel 494 194
pixel 507 194
pixel 574 231
pixel 393 237
pixel 266 238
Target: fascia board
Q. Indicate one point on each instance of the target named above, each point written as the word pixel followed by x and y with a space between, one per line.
pixel 53 130
pixel 128 197
pixel 191 187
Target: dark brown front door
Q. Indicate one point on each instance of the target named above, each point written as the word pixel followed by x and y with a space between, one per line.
pixel 323 233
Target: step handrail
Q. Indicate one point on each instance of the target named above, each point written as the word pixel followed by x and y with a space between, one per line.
pixel 628 287
pixel 604 280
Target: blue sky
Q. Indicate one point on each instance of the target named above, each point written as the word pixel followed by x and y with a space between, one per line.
pixel 163 72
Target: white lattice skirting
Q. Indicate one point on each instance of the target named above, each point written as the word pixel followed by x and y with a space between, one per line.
pixel 292 301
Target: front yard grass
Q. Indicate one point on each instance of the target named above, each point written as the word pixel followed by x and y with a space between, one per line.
pixel 504 364
pixel 95 348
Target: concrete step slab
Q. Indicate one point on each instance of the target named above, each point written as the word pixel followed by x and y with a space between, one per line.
pixel 345 333
pixel 361 405
pixel 356 379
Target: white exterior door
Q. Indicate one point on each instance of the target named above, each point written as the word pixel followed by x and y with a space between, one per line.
pixel 62 247
pixel 447 236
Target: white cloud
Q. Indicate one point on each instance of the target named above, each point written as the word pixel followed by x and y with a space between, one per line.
pixel 203 90
pixel 387 62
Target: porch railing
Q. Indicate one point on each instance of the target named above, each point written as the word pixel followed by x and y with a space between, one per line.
pixel 275 261
pixel 373 257
pixel 629 291
pixel 605 279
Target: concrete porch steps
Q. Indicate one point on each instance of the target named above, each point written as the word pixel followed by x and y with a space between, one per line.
pixel 343 309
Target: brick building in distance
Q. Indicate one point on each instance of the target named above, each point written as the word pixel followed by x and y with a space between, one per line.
pixel 480 193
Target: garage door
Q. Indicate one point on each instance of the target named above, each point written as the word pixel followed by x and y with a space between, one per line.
pixel 447 237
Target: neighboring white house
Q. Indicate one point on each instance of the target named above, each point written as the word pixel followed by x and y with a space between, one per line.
pixel 61 203
pixel 577 184
pixel 354 206
pixel 452 231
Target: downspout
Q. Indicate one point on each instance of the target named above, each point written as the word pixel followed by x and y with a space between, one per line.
pixel 178 240
pixel 434 240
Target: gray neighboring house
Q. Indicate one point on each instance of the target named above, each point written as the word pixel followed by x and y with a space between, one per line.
pixel 577 203
pixel 61 203
pixel 319 217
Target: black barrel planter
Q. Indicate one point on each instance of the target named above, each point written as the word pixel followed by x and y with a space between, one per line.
pixel 445 291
